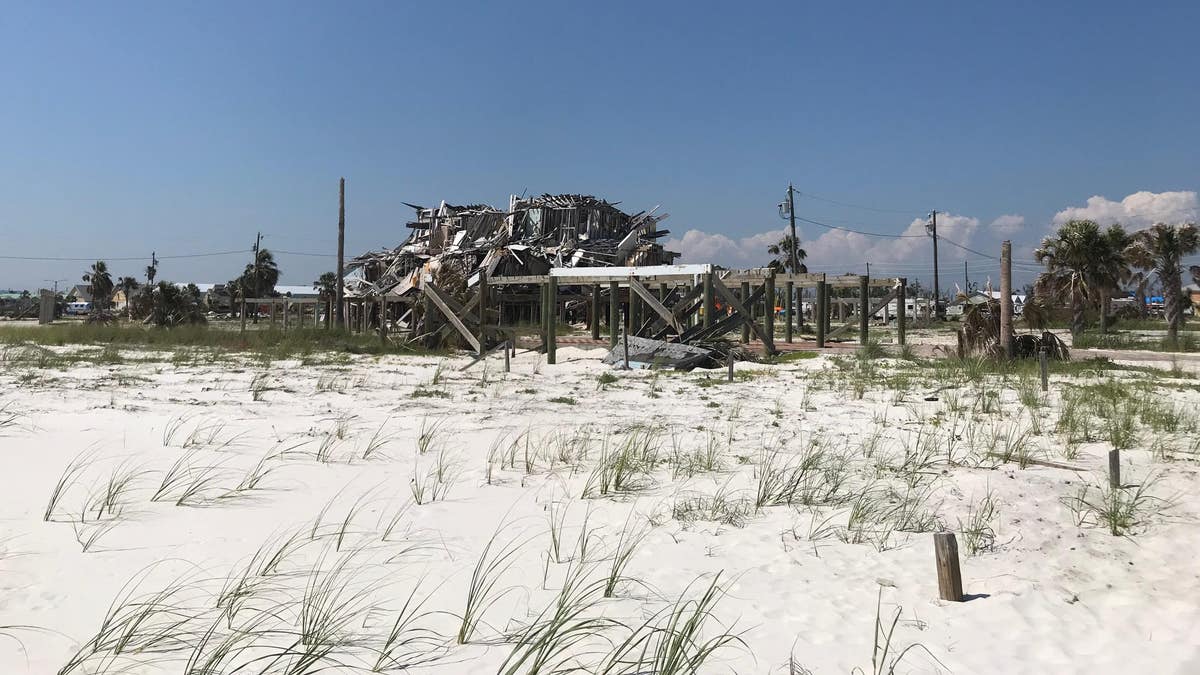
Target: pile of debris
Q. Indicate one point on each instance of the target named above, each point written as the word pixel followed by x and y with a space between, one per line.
pixel 453 244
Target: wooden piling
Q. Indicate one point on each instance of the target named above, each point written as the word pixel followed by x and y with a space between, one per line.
pixel 484 298
pixel 614 311
pixel 819 314
pixel 552 327
pixel 901 291
pixel 945 548
pixel 709 308
pixel 1006 305
pixel 507 351
pixel 864 308
pixel 745 297
pixel 1114 468
pixel 769 306
pixel 595 311
pixel 788 310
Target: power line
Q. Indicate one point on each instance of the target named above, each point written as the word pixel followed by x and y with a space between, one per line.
pixel 859 206
pixel 862 232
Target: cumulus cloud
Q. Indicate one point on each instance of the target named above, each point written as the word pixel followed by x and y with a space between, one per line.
pixel 833 250
pixel 698 246
pixel 1138 210
pixel 1008 224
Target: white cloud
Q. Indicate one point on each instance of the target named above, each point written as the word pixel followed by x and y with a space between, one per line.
pixel 1137 211
pixel 835 250
pixel 698 246
pixel 1008 224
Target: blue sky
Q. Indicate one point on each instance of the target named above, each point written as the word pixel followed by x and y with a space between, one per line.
pixel 184 128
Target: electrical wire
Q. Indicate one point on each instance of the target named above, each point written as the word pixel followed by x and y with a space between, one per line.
pixel 858 206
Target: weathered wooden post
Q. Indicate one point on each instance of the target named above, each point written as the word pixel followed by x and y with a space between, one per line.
pixel 769 306
pixel 635 313
pixel 383 319
pixel 614 311
pixel 552 326
pixel 827 317
pixel 788 309
pixel 287 310
pixel 484 297
pixel 819 314
pixel 1045 368
pixel 864 308
pixel 745 298
pixel 1114 468
pixel 507 350
pixel 595 311
pixel 945 548
pixel 1006 306
pixel 709 307
pixel 729 359
pixel 243 312
pixel 901 292
pixel 341 254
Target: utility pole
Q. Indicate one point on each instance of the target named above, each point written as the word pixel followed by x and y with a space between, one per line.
pixel 966 280
pixel 1006 306
pixel 257 244
pixel 793 260
pixel 339 311
pixel 937 291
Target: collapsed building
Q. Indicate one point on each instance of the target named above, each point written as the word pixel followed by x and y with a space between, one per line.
pixel 452 245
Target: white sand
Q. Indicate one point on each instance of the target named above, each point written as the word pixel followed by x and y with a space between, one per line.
pixel 1051 597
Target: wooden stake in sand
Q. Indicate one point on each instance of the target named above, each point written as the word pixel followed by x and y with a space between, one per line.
pixel 1045 367
pixel 1114 468
pixel 945 548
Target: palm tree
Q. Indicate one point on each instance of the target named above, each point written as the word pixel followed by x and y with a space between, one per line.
pixel 1073 266
pixel 260 280
pixel 783 255
pixel 326 285
pixel 1161 249
pixel 1112 269
pixel 128 286
pixel 100 284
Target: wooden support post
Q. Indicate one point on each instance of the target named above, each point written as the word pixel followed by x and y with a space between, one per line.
pixel 945 548
pixel 596 311
pixel 383 314
pixel 1114 468
pixel 769 305
pixel 1006 306
pixel 729 358
pixel 827 317
pixel 287 310
pixel 901 299
pixel 663 293
pixel 788 310
pixel 635 313
pixel 709 308
pixel 274 309
pixel 745 296
pixel 864 308
pixel 819 314
pixel 1044 366
pixel 614 311
pixel 552 326
pixel 544 314
pixel 483 310
pixel 507 351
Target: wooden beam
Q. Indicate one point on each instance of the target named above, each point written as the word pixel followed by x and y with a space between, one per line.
pixel 652 302
pixel 729 297
pixel 431 292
